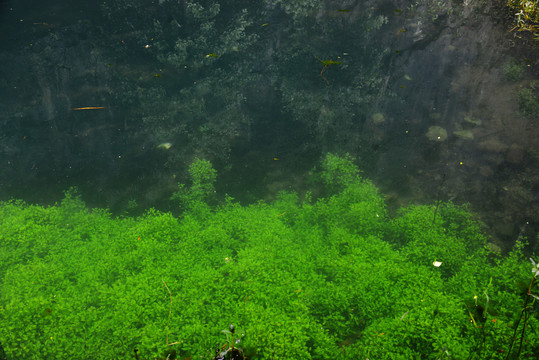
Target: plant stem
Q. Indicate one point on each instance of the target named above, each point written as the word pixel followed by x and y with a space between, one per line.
pixel 169 308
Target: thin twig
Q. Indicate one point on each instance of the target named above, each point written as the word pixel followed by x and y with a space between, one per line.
pixel 169 307
pixel 322 76
pixel 438 199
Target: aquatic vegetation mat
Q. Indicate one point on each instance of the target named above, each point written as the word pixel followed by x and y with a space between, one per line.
pixel 331 278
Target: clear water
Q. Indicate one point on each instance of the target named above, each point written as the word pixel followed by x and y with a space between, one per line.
pixel 426 98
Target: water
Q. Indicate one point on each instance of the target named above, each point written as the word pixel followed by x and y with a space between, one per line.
pixel 264 94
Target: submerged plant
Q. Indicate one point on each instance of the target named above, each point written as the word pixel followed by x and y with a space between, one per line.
pixel 201 190
pixel 513 71
pixel 230 350
pixel 331 278
pixel 525 314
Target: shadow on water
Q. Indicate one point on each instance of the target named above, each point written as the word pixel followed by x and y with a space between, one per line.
pixel 432 100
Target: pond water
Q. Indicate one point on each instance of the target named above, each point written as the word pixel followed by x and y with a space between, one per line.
pixel 434 100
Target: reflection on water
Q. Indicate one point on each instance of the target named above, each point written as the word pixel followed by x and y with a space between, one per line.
pixel 434 101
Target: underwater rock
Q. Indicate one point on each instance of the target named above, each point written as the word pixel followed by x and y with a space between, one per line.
pixel 515 155
pixel 494 247
pixel 486 171
pixel 464 134
pixel 435 116
pixel 505 228
pixel 493 145
pixel 436 133
pixel 378 118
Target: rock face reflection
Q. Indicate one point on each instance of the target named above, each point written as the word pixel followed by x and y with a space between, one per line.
pixel 416 93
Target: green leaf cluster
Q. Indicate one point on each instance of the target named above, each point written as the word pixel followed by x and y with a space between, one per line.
pixel 513 71
pixel 202 190
pixel 331 278
pixel 526 16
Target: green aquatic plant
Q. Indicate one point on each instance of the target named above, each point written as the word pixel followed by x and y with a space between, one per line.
pixel 513 71
pixel 230 350
pixel 203 177
pixel 330 278
pixel 527 101
pixel 525 314
pixel 338 172
pixel 201 190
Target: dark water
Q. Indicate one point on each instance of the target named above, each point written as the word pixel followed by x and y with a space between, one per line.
pixel 429 100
